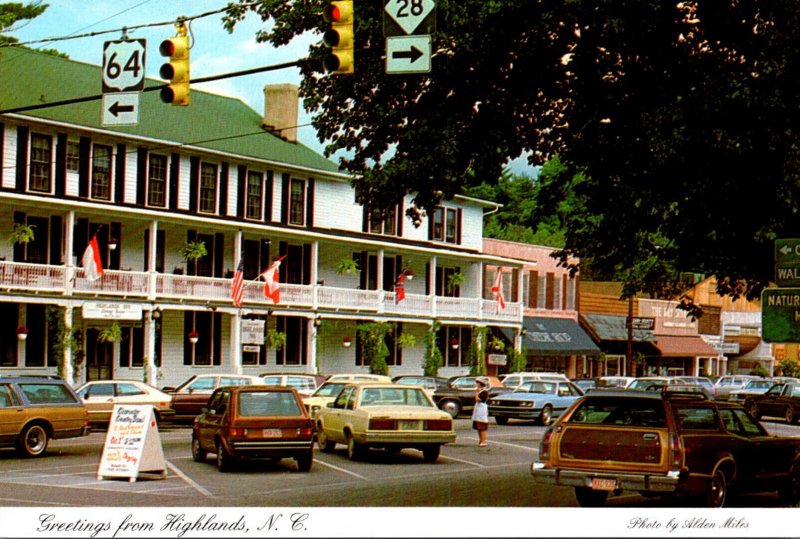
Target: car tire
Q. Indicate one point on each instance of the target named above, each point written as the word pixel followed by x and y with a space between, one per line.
pixel 224 460
pixel 587 497
pixel 788 414
pixel 325 444
pixel 198 453
pixel 451 407
pixel 355 450
pixel 431 453
pixel 501 420
pixel 546 417
pixel 717 493
pixel 789 493
pixel 304 462
pixel 753 409
pixel 33 440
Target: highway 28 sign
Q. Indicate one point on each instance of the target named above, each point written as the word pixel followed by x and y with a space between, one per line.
pixel 408 25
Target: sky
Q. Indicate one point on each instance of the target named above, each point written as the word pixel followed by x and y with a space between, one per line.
pixel 214 50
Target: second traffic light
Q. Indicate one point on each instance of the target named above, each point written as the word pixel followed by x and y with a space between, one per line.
pixel 339 37
pixel 177 69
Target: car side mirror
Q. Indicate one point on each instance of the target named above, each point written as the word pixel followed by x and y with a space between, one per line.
pixel 329 405
pixel 204 410
pixel 190 390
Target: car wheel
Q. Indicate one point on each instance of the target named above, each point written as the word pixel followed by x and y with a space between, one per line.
pixel 325 443
pixel 546 417
pixel 789 493
pixel 355 450
pixel 753 409
pixel 501 420
pixel 224 460
pixel 717 494
pixel 451 407
pixel 431 453
pixel 198 453
pixel 789 415
pixel 33 440
pixel 304 462
pixel 587 497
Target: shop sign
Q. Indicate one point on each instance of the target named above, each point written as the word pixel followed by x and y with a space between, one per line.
pixel 497 359
pixel 253 332
pixel 111 311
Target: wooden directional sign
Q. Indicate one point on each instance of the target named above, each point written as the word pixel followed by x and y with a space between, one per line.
pixel 403 17
pixel 780 315
pixel 408 54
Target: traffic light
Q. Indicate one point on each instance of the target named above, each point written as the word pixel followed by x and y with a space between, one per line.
pixel 339 37
pixel 177 69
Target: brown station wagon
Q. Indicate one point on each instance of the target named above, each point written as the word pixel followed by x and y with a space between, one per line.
pixel 254 422
pixel 34 410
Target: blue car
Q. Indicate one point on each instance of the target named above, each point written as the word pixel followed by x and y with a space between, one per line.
pixel 539 401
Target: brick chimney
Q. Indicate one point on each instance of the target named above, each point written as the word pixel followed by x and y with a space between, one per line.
pixel 281 105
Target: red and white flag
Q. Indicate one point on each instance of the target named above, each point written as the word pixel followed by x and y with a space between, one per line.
pixel 497 290
pixel 271 276
pixel 92 265
pixel 400 288
pixel 237 287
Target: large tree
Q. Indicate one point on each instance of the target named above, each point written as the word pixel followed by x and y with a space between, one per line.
pixel 13 15
pixel 674 123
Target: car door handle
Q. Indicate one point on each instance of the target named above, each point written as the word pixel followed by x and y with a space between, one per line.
pixel 650 436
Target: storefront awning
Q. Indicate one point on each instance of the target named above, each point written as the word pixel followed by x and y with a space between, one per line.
pixel 556 337
pixel 609 327
pixel 684 346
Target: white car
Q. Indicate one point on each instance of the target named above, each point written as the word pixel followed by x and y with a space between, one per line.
pixel 303 383
pixel 100 397
pixel 358 377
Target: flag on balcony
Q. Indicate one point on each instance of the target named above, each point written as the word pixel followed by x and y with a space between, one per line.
pixel 92 265
pixel 237 287
pixel 400 288
pixel 497 290
pixel 271 277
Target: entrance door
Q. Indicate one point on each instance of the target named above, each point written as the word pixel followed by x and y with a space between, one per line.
pixel 99 357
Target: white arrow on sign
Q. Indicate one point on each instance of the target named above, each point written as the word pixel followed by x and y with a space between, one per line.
pixel 121 108
pixel 408 54
pixel 786 250
pixel 408 14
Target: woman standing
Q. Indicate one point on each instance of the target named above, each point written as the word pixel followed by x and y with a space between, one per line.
pixel 480 415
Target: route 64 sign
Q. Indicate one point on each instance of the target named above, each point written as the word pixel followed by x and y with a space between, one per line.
pixel 123 65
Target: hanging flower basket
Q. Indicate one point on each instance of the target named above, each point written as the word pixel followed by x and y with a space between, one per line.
pixel 347 342
pixel 194 337
pixel 22 333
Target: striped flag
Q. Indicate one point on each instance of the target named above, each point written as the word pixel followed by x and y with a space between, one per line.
pixel 271 276
pixel 400 288
pixel 497 290
pixel 92 265
pixel 237 287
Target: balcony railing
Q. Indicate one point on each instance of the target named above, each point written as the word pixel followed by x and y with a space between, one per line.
pixel 38 278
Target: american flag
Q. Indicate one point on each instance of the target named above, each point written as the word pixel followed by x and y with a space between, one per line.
pixel 237 287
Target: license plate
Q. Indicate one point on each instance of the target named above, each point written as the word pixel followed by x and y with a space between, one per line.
pixel 408 425
pixel 603 484
pixel 271 433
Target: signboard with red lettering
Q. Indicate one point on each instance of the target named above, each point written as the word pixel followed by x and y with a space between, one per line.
pixel 132 445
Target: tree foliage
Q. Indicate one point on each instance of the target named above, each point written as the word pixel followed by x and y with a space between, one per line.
pixel 14 15
pixel 674 123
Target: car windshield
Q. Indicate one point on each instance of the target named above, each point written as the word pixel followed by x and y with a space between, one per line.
pixel 329 390
pixel 537 387
pixel 620 411
pixel 759 384
pixel 389 396
pixel 267 403
pixel 644 383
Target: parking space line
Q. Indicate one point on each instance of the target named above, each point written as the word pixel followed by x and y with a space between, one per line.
pixel 191 482
pixel 343 470
pixel 49 502
pixel 525 447
pixel 476 464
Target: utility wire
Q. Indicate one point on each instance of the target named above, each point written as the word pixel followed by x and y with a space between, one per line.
pixel 125 28
pixel 296 63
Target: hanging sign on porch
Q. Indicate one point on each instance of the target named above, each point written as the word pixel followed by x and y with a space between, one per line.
pixel 111 311
pixel 253 332
pixel 497 359
pixel 132 445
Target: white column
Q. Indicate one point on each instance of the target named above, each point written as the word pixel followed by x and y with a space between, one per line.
pixel 150 348
pixel 67 359
pixel 151 259
pixel 69 247
pixel 311 347
pixel 432 284
pixel 236 341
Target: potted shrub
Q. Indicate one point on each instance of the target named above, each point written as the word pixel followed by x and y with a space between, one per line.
pixel 275 339
pixel 347 266
pixel 21 233
pixel 112 333
pixel 192 251
pixel 455 280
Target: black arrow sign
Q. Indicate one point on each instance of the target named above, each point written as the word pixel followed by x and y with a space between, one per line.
pixel 116 108
pixel 414 54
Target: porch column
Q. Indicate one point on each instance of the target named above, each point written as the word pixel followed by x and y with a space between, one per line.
pixel 311 346
pixel 67 355
pixel 432 284
pixel 696 367
pixel 151 260
pixel 315 274
pixel 69 247
pixel 151 371
pixel 380 280
pixel 236 341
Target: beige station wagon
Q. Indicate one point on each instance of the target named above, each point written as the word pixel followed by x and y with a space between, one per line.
pixel 34 410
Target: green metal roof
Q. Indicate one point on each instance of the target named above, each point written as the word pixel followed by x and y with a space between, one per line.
pixel 211 121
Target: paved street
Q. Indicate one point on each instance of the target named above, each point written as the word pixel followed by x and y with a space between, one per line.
pixel 466 475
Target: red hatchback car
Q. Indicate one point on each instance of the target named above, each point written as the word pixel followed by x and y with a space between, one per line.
pixel 254 422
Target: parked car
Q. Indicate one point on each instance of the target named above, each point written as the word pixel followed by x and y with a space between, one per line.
pixel 585 383
pixel 388 416
pixel 541 401
pixel 101 396
pixel 324 394
pixel 701 381
pixel 360 376
pixel 663 443
pixel 189 398
pixel 305 384
pixel 459 395
pixel 254 422
pixel 753 387
pixel 428 383
pixel 620 382
pixel 781 400
pixel 726 384
pixel 34 410
pixel 643 382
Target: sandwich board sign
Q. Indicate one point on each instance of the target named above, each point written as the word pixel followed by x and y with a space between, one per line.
pixel 132 445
